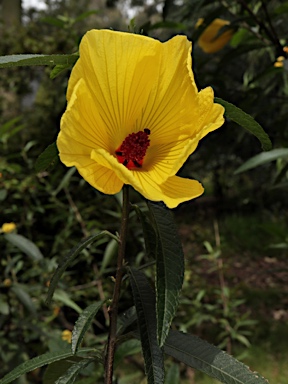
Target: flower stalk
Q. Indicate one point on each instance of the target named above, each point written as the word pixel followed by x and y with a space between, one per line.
pixel 113 310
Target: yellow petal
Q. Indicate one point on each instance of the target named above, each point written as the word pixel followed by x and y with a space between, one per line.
pixel 209 42
pixel 177 190
pixel 165 159
pixel 81 131
pixel 120 69
pixel 172 192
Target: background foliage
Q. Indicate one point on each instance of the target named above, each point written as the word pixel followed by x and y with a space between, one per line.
pixel 234 237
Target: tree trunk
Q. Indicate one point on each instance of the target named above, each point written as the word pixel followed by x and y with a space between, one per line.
pixel 11 13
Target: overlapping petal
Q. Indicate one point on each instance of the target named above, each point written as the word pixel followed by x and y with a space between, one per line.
pixel 124 83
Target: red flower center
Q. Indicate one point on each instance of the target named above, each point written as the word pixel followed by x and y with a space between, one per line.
pixel 132 151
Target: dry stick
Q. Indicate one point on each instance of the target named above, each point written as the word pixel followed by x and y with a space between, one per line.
pixel 113 310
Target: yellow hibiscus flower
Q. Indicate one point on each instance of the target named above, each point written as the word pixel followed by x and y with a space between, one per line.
pixel 134 115
pixel 209 41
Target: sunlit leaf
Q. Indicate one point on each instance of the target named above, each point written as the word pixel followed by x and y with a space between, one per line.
pixel 29 59
pixel 144 299
pixel 246 121
pixel 209 359
pixel 169 268
pixel 263 158
pixel 83 323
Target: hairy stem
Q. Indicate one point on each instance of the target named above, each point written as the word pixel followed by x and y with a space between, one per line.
pixel 113 310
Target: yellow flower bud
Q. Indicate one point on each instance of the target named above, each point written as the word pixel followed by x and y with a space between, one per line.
pixel 8 227
pixel 67 336
pixel 7 282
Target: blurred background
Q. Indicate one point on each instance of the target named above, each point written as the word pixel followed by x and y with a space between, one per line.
pixel 235 236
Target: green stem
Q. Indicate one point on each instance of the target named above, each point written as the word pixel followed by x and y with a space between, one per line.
pixel 113 310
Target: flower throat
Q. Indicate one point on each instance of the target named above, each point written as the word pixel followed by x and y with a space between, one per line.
pixel 132 151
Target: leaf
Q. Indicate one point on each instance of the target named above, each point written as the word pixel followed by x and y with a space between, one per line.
pixel 60 369
pixel 53 21
pixel 83 323
pixel 109 254
pixel 29 59
pixel 47 159
pixel 246 121
pixel 126 319
pixel 262 158
pixel 25 245
pixel 68 260
pixel 38 362
pixel 209 359
pixel 167 24
pixel 173 375
pixel 59 69
pixel 65 299
pixel 144 299
pixel 70 376
pixel 86 14
pixel 127 348
pixel 169 268
pixel 149 233
pixel 24 297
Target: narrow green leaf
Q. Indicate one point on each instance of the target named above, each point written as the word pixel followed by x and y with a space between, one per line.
pixel 246 121
pixel 209 359
pixel 125 320
pixel 149 233
pixel 70 376
pixel 68 260
pixel 167 24
pixel 262 158
pixel 86 14
pixel 64 298
pixel 47 159
pixel 59 69
pixel 83 323
pixel 169 268
pixel 58 369
pixel 144 299
pixel 29 59
pixel 109 254
pixel 53 21
pixel 173 375
pixel 38 362
pixel 25 245
pixel 23 296
pixel 127 348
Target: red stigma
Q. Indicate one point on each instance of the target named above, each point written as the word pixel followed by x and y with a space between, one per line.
pixel 132 151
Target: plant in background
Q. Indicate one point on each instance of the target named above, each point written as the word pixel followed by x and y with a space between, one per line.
pixel 132 119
